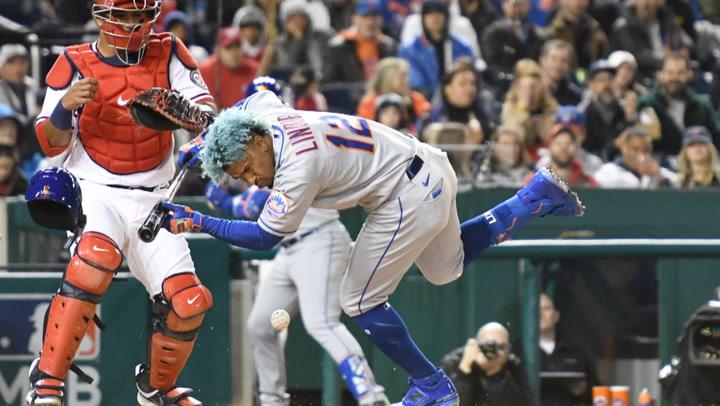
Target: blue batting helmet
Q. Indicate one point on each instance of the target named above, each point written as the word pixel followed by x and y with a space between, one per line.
pixel 54 199
pixel 263 83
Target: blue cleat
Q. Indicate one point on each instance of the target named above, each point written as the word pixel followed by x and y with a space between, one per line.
pixel 547 193
pixel 434 390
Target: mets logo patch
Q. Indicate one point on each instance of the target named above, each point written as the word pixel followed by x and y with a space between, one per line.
pixel 277 204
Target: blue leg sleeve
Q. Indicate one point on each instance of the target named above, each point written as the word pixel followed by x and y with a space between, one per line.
pixel 388 331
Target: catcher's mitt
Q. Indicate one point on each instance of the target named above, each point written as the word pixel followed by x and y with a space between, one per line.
pixel 166 110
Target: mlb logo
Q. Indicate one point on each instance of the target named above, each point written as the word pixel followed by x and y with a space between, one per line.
pixel 22 317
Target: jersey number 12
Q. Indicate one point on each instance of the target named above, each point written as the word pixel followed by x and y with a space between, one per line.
pixel 349 135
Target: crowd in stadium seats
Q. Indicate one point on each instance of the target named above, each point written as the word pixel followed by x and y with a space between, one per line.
pixel 616 94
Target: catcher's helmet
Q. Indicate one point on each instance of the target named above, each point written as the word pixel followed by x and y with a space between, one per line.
pixel 127 24
pixel 263 83
pixel 54 200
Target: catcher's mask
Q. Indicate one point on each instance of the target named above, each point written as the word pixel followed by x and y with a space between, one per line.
pixel 54 200
pixel 126 25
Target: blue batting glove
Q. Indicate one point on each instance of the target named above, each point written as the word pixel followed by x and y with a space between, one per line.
pixel 218 197
pixel 250 203
pixel 190 153
pixel 181 219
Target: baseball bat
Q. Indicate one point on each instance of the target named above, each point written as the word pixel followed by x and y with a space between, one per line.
pixel 150 228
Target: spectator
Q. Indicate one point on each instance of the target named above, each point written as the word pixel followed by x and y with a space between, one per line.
pixel 683 12
pixel 17 89
pixel 711 10
pixel 179 24
pixel 461 102
pixel 508 40
pixel 393 76
pixel 635 168
pixel 458 26
pixel 300 44
pixel 573 24
pixel 573 118
pixel 647 30
pixel 305 86
pixel 455 139
pixel 625 84
pixel 12 182
pixel 227 72
pixel 561 354
pixel 390 110
pixel 354 53
pixel 9 126
pixel 505 164
pixel 678 107
pixel 341 12
pixel 562 157
pixel 606 117
pixel 485 371
pixel 431 53
pixel 698 164
pixel 556 61
pixel 530 106
pixel 251 21
pixel 480 13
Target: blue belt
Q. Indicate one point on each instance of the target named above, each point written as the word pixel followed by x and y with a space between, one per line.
pixel 292 241
pixel 415 165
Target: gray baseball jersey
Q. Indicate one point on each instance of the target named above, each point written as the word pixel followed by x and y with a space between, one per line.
pixel 337 161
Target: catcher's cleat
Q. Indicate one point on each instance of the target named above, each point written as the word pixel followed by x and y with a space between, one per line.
pixel 149 396
pixel 559 199
pixel 434 390
pixel 45 390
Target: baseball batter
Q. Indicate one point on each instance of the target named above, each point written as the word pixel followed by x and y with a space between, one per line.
pixel 122 170
pixel 334 161
pixel 306 275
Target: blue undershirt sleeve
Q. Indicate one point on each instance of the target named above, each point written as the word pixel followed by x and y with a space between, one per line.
pixel 246 234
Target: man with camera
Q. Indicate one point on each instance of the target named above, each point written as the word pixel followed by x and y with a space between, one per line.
pixel 485 371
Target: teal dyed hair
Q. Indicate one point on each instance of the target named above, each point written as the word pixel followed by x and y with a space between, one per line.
pixel 226 139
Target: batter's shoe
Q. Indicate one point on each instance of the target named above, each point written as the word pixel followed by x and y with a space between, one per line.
pixel 548 193
pixel 45 390
pixel 149 396
pixel 435 390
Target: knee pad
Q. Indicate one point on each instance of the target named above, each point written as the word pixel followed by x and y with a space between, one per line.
pixel 180 310
pixel 91 269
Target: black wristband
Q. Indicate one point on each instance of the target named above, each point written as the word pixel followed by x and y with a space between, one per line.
pixel 61 118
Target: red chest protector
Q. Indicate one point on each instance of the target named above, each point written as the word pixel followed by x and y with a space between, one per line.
pixel 106 130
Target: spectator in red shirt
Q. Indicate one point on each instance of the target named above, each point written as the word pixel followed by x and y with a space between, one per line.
pixel 227 73
pixel 563 158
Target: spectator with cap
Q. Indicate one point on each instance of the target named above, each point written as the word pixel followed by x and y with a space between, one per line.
pixel 698 164
pixel 251 21
pixel 556 59
pixel 12 182
pixel 571 117
pixel 508 40
pixel 390 110
pixel 561 156
pixel 227 72
pixel 431 53
pixel 178 23
pixel 635 167
pixel 353 54
pixel 485 371
pixel 626 85
pixel 393 76
pixel 647 30
pixel 300 44
pixel 678 107
pixel 605 116
pixel 462 101
pixel 530 106
pixel 505 162
pixel 17 89
pixel 573 24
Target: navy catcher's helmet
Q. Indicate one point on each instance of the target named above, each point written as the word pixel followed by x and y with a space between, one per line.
pixel 263 83
pixel 54 199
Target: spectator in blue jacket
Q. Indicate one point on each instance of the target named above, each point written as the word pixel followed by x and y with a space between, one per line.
pixel 431 53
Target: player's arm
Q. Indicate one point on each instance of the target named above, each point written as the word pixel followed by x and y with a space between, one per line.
pixel 186 79
pixel 242 233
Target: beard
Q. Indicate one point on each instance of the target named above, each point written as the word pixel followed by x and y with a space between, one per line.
pixel 674 88
pixel 562 162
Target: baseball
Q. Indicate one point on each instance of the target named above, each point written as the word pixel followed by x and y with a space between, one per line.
pixel 280 319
